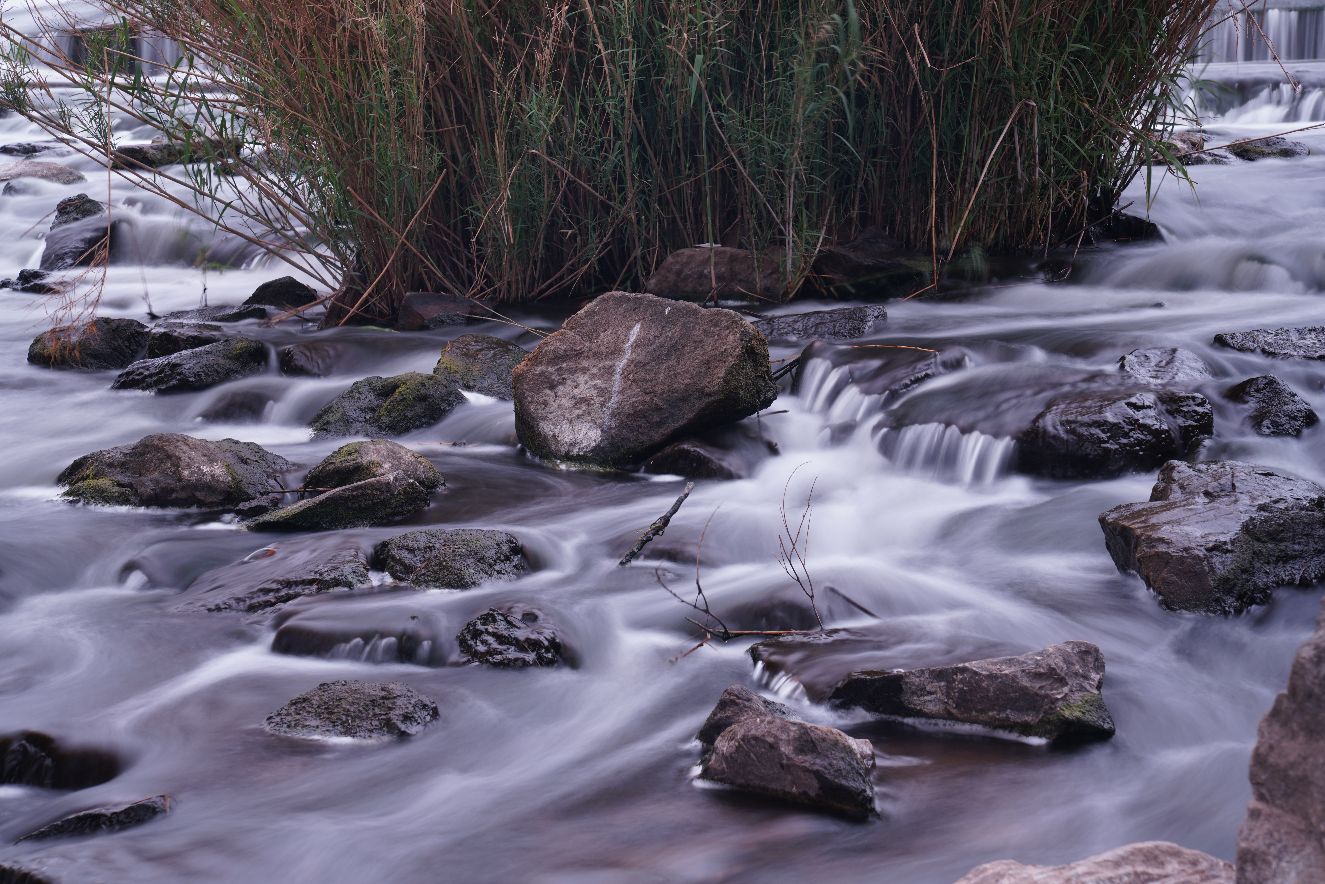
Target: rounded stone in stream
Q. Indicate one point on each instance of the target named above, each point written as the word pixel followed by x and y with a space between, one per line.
pixel 1166 366
pixel 797 762
pixel 1110 433
pixel 1265 148
pixel 286 293
pixel 1147 862
pixel 713 273
pixel 694 460
pixel 277 575
pixel 175 337
pixel 30 758
pixel 1216 538
pixel 359 710
pixel 513 637
pixel 737 703
pixel 358 461
pixel 629 373
pixel 195 369
pixel 80 231
pixel 481 364
pixel 110 818
pixel 392 406
pixel 384 500
pixel 1275 409
pixel 1278 343
pixel 315 359
pixel 1053 694
pixel 171 470
pixel 458 558
pixel 99 344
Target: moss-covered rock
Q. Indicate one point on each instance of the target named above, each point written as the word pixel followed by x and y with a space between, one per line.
pixel 481 364
pixel 379 501
pixel 452 559
pixel 359 461
pixel 195 369
pixel 389 406
pixel 99 344
pixel 171 470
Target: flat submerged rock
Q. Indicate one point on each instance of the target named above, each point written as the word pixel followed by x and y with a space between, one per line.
pixel 358 710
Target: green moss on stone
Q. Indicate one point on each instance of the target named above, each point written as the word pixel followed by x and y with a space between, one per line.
pixel 103 492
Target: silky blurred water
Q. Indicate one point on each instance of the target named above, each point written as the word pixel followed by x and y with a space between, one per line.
pixel 584 773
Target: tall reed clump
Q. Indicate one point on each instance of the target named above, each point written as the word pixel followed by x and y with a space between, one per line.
pixel 512 149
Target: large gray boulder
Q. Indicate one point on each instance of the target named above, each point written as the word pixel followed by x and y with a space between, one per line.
pixel 1109 433
pixel 195 369
pixel 1147 862
pixel 1283 837
pixel 98 344
pixel 391 406
pixel 630 373
pixel 79 234
pixel 1278 343
pixel 359 710
pixel 481 364
pixel 713 273
pixel 752 745
pixel 277 575
pixel 1274 408
pixel 171 470
pixel 457 558
pixel 1218 537
pixel 1053 694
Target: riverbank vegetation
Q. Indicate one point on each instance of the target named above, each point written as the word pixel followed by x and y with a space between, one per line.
pixel 515 150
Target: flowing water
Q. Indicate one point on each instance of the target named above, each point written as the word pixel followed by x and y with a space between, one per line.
pixel 922 543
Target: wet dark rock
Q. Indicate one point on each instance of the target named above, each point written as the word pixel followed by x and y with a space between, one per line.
pixel 1053 694
pixel 30 758
pixel 12 874
pixel 277 575
pixel 25 149
pixel 169 338
pixel 715 273
pixel 237 407
pixel 358 461
pixel 630 373
pixel 41 171
pixel 286 293
pixel 35 282
pixel 259 506
pixel 694 460
pixel 458 558
pixel 1166 367
pixel 1218 537
pixel 170 470
pixel 218 313
pixel 513 637
pixel 841 324
pixel 1123 227
pixel 77 234
pixel 793 761
pixel 100 344
pixel 871 266
pixel 110 818
pixel 1278 343
pixel 1109 433
pixel 1275 409
pixel 1264 148
pixel 367 630
pixel 393 406
pixel 421 311
pixel 481 364
pixel 359 710
pixel 737 704
pixel 162 153
pixel 1281 838
pixel 195 369
pixel 315 359
pixel 1147 862
pixel 380 501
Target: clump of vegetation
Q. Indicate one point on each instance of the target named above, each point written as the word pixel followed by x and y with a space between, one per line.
pixel 512 149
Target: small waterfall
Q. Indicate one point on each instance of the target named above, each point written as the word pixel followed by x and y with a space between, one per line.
pixel 944 452
pixel 828 390
pixel 383 649
pixel 1297 33
pixel 1278 103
